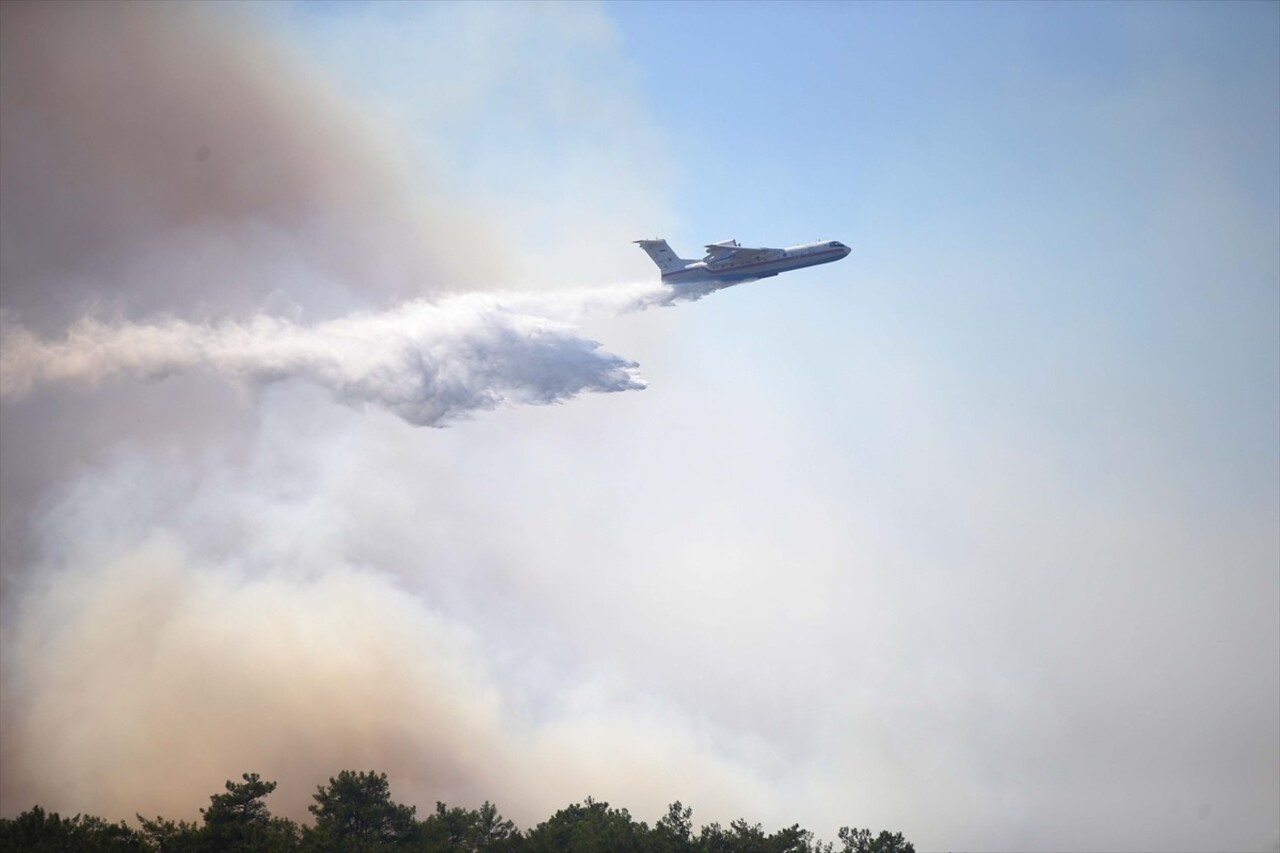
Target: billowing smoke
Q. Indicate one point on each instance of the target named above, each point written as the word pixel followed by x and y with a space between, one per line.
pixel 188 624
pixel 177 160
pixel 191 587
pixel 172 162
pixel 427 362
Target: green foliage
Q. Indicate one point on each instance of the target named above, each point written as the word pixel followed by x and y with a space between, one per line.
pixel 861 841
pixel 588 828
pixel 673 833
pixel 355 814
pixel 38 831
pixel 742 837
pixel 169 836
pixel 458 829
pixel 238 820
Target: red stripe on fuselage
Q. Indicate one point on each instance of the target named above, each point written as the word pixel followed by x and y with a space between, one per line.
pixel 736 270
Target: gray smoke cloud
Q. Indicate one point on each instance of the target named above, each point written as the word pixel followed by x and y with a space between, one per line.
pixel 187 623
pixel 176 159
pixel 188 584
pixel 426 362
pixel 177 164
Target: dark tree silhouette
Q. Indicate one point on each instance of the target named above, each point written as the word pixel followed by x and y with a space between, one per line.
pixel 458 829
pixel 238 819
pixel 673 833
pixel 39 831
pixel 861 841
pixel 591 827
pixel 355 814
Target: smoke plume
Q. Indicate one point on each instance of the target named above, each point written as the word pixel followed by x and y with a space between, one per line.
pixel 175 159
pixel 190 588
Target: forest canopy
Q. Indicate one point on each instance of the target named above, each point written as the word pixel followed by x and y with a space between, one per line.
pixel 354 813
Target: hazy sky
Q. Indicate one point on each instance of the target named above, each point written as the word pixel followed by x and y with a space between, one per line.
pixel 974 535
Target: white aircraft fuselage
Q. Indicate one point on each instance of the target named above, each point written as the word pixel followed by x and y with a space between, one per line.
pixel 728 262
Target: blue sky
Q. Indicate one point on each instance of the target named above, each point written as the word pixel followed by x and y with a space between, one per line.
pixel 1043 387
pixel 974 534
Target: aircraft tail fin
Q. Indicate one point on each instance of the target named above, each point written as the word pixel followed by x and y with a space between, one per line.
pixel 662 255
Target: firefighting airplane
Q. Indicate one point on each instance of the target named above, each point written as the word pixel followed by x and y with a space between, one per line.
pixel 729 262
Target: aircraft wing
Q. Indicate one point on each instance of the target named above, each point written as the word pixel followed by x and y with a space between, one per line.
pixel 723 251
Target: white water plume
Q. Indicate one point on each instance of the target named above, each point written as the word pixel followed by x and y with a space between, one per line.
pixel 428 362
